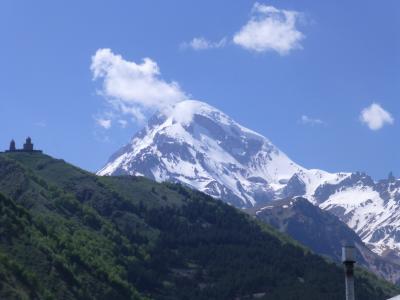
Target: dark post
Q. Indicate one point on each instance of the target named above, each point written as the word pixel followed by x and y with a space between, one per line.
pixel 348 260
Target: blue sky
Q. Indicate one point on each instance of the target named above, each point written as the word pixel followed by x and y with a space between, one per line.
pixel 305 93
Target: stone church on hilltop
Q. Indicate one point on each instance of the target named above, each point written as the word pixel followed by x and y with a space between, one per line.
pixel 27 147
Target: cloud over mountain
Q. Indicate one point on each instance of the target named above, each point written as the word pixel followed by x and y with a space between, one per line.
pixel 133 88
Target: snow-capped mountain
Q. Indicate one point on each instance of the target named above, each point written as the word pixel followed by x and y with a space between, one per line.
pixel 197 145
pixel 371 209
pixel 200 146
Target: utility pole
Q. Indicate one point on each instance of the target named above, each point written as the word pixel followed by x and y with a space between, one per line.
pixel 348 259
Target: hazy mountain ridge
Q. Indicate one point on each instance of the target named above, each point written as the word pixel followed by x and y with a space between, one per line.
pixel 322 232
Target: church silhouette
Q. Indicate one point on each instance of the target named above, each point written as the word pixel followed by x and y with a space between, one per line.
pixel 27 147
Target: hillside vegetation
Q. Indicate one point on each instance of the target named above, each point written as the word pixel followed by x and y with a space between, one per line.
pixel 68 234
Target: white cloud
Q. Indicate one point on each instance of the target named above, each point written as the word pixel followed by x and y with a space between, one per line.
pixel 311 121
pixel 105 123
pixel 375 117
pixel 133 88
pixel 200 43
pixel 270 29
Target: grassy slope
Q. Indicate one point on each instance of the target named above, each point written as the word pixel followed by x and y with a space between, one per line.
pixel 67 234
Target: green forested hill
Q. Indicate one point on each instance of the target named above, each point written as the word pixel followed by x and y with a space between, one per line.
pixel 68 234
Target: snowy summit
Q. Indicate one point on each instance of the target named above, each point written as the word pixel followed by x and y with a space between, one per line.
pixel 198 145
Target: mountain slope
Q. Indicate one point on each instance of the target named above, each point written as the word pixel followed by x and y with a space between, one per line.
pixel 322 232
pixel 71 235
pixel 201 147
